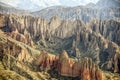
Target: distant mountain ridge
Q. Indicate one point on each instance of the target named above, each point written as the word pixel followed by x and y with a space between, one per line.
pixel 108 3
pixel 111 10
pixel 104 9
pixel 8 9
pixel 35 5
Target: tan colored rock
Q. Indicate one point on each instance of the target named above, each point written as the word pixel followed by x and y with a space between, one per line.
pixel 2 20
pixel 15 50
pixel 47 61
pixel 99 75
pixel 66 66
pixel 94 37
pixel 24 56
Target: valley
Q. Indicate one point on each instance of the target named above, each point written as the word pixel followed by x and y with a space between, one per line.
pixel 60 43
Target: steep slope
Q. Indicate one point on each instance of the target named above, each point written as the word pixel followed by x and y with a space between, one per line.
pixel 89 34
pixel 103 9
pixel 92 39
pixel 109 29
pixel 108 3
pixel 17 60
pixel 66 66
pixel 80 13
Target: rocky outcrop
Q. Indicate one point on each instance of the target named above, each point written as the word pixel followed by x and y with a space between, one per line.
pixel 2 21
pixel 16 60
pixel 66 66
pixel 20 37
pixel 98 48
pixel 29 27
pixel 114 57
pixel 36 28
pixel 109 29
pixel 80 39
pixel 47 61
pixel 10 48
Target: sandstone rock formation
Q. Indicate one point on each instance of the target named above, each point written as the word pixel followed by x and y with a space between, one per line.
pixel 38 28
pixel 13 49
pixel 92 39
pixel 16 60
pixel 92 43
pixel 20 37
pixel 66 66
pixel 108 29
pixel 46 60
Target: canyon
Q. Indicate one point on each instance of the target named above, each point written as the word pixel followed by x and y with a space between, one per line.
pixel 60 43
pixel 93 40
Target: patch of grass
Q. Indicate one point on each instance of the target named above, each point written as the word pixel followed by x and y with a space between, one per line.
pixel 111 76
pixel 10 75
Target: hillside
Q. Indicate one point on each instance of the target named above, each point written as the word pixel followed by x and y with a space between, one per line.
pixel 61 43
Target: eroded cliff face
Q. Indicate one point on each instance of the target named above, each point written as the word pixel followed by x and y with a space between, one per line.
pixel 17 60
pixel 98 48
pixel 93 39
pixel 47 61
pixel 66 66
pixel 29 27
pixel 39 28
pixel 109 29
pixel 11 49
